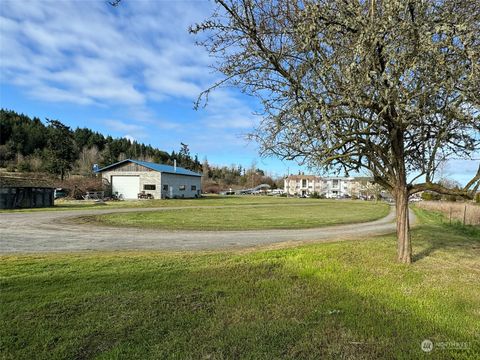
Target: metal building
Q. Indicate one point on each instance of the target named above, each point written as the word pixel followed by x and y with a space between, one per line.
pixel 130 179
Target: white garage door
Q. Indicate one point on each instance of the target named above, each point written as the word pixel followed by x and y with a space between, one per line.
pixel 128 186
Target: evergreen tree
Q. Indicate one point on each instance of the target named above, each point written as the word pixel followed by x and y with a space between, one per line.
pixel 61 150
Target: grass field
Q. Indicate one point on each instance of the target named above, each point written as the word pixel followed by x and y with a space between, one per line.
pixel 279 214
pixel 347 300
pixel 208 200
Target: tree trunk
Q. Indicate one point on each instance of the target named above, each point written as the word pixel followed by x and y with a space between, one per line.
pixel 404 246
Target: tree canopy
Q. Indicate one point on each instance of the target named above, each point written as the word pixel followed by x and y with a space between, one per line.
pixel 25 145
pixel 388 86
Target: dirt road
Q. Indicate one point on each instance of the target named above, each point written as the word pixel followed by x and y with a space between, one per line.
pixel 53 231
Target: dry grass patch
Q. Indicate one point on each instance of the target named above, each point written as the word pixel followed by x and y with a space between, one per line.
pixel 454 211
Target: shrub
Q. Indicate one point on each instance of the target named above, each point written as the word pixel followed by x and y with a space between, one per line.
pixel 428 196
pixel 211 188
pixel 452 198
pixel 24 166
pixel 315 195
pixel 77 187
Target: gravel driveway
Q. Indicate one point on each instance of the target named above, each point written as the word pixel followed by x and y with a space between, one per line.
pixel 51 231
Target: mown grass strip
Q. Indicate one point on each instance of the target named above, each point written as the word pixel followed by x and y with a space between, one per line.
pixel 278 216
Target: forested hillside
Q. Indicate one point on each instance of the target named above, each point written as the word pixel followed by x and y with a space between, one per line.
pixel 30 145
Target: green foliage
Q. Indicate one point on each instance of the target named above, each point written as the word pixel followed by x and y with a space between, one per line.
pixel 452 198
pixel 426 196
pixel 21 135
pixel 24 137
pixel 477 198
pixel 61 151
pixel 24 166
pixel 315 195
pixel 430 196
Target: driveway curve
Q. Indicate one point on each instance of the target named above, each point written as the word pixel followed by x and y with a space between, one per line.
pixel 53 231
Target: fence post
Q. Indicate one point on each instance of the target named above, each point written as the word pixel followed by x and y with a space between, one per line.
pixel 464 214
pixel 450 215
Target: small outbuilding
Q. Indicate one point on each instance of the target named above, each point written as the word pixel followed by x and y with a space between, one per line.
pixel 132 179
pixel 18 193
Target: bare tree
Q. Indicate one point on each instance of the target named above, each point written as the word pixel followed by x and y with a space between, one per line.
pixel 87 158
pixel 388 86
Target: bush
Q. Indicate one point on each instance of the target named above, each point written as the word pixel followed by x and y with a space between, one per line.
pixel 211 188
pixel 77 187
pixel 24 166
pixel 477 198
pixel 315 195
pixel 452 198
pixel 426 196
pixel 429 196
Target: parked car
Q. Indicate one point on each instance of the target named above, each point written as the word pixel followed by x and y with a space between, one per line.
pixel 59 193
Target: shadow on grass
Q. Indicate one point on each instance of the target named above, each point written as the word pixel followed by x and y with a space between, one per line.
pixel 435 234
pixel 256 310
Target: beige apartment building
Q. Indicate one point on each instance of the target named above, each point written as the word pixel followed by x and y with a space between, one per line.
pixel 330 187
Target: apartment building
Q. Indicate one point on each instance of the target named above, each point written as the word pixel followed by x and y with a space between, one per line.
pixel 330 187
pixel 302 185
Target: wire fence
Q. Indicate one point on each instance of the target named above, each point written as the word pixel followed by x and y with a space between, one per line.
pixel 465 213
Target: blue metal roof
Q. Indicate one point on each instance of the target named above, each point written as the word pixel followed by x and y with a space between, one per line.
pixel 156 167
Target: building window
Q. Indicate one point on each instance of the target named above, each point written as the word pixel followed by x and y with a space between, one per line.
pixel 165 187
pixel 304 183
pixel 181 188
pixel 194 188
pixel 335 182
pixel 149 187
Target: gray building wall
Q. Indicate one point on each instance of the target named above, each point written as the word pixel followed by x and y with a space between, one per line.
pixel 159 180
pixel 174 183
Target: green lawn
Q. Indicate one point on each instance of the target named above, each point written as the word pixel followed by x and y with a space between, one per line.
pixel 280 215
pixel 347 300
pixel 208 200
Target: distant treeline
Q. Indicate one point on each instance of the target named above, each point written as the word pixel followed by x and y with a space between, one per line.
pixel 29 145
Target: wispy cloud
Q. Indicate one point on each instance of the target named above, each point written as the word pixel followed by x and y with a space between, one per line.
pixel 101 54
pixel 129 130
pixel 135 61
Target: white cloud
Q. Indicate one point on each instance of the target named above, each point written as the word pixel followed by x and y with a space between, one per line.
pixel 225 111
pixel 130 138
pixel 136 61
pixel 133 130
pixel 101 53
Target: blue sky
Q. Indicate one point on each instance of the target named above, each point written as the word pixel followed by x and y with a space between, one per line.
pixel 131 71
